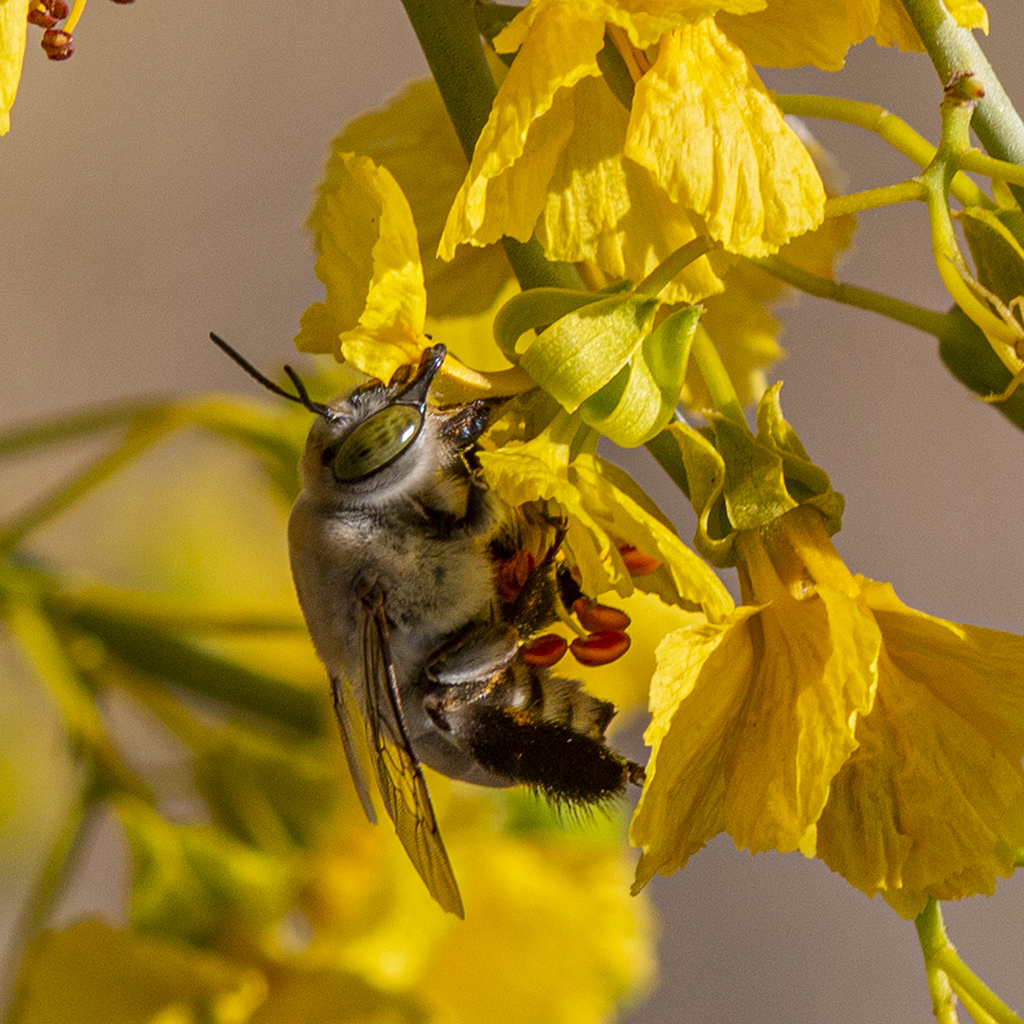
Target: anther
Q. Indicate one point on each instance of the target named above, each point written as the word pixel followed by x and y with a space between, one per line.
pixel 599 648
pixel 58 44
pixel 544 650
pixel 46 13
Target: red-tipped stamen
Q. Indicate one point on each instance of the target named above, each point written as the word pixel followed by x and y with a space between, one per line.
pixel 637 563
pixel 544 650
pixel 599 618
pixel 599 648
pixel 57 44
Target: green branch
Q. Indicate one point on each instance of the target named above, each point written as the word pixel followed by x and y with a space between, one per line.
pixel 948 974
pixel 926 320
pixel 954 51
pixel 874 198
pixel 889 128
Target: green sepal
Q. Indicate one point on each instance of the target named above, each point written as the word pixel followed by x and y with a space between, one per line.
pixel 742 482
pixel 537 308
pixel 968 355
pixel 638 402
pixel 581 352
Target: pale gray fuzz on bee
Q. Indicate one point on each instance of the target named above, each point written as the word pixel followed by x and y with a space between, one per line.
pixel 395 542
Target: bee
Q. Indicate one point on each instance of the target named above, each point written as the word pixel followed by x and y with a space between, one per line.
pixel 400 556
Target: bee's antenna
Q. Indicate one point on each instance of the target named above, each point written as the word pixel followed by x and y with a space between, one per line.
pixel 302 397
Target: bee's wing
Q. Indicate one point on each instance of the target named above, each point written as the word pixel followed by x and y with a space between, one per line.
pixel 346 708
pixel 399 777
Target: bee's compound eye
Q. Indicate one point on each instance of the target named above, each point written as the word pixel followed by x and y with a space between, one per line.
pixel 377 442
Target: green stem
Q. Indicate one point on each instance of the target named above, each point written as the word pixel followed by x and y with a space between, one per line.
pixel 954 51
pixel 675 263
pixel 966 983
pixel 990 167
pixel 450 38
pixel 91 476
pixel 932 936
pixel 947 973
pixel 717 379
pixel 873 198
pixel 888 127
pixel 949 260
pixel 23 439
pixel 849 295
pixel 167 656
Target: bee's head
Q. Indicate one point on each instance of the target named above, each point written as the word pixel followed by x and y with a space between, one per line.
pixel 379 438
pixel 365 444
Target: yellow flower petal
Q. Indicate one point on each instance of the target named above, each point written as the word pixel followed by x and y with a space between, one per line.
pixel 707 129
pixel 791 33
pixel 612 212
pixel 968 14
pixel 413 132
pixel 535 100
pixel 705 668
pixel 370 266
pixel 13 32
pixel 932 803
pixel 753 719
pixel 644 20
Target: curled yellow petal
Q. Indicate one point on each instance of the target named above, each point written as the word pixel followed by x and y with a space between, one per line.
pixel 370 266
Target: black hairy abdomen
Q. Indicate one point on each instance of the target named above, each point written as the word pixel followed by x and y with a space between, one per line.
pixel 565 765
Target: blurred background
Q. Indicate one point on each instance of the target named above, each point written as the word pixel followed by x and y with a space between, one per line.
pixel 153 189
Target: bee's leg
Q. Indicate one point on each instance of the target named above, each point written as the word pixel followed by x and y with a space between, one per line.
pixel 463 424
pixel 478 651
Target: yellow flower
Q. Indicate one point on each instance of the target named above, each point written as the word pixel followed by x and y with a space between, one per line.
pixel 753 716
pixel 374 313
pixel 617 186
pixel 823 714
